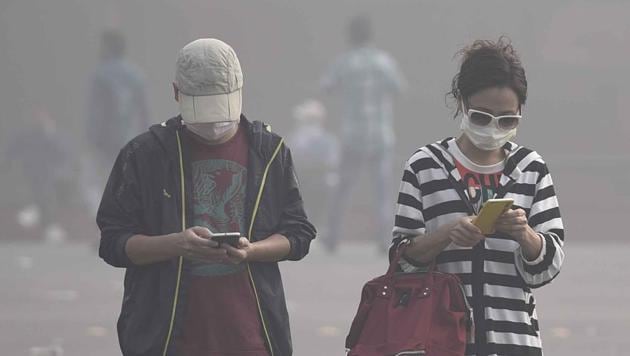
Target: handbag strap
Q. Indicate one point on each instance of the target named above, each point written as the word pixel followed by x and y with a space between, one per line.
pixel 398 254
pixel 393 264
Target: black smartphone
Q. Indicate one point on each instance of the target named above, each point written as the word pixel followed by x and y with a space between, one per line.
pixel 230 238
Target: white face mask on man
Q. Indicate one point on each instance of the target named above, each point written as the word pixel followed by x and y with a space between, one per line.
pixel 213 131
pixel 488 137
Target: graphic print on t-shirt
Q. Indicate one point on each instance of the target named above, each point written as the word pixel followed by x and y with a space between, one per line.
pixel 481 181
pixel 221 316
pixel 219 195
pixel 481 186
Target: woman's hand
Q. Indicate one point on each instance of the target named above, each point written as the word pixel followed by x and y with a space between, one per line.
pixel 463 233
pixel 514 224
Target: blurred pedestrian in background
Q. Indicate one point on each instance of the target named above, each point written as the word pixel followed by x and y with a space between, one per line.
pixel 43 155
pixel 365 79
pixel 316 153
pixel 117 112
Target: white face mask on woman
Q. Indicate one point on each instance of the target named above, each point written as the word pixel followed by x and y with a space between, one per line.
pixel 488 137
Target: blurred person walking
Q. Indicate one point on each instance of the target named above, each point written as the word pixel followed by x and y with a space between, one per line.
pixel 316 152
pixel 444 184
pixel 366 80
pixel 43 156
pixel 117 111
pixel 207 171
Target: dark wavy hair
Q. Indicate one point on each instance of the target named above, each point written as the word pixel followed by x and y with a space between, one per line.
pixel 487 64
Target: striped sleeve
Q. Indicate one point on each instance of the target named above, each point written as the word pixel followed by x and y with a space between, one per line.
pixel 545 219
pixel 409 220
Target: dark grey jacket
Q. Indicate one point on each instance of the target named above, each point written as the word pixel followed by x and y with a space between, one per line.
pixel 143 196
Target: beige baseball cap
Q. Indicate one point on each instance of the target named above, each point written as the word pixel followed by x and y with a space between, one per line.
pixel 210 82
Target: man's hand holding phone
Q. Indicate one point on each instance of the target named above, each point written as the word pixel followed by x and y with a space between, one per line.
pixel 236 246
pixel 196 243
pixel 201 244
pixel 240 253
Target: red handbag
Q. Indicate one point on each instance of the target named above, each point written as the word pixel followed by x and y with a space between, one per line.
pixel 411 314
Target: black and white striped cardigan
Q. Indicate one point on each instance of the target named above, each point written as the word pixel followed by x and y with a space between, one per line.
pixel 497 278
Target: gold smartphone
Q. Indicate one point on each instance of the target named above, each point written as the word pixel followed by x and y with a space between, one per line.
pixel 490 212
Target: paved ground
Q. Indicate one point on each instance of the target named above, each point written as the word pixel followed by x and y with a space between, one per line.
pixel 66 295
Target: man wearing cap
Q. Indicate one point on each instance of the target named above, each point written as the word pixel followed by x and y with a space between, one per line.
pixel 207 171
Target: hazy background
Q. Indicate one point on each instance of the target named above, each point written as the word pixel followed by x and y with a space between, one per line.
pixel 575 53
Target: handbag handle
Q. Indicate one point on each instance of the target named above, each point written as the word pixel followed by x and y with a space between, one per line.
pixel 398 254
pixel 393 265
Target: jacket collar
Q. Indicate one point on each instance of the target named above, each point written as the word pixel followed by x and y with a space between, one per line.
pixel 511 171
pixel 258 135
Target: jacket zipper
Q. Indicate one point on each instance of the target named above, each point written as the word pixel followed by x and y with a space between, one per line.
pixel 180 261
pixel 249 235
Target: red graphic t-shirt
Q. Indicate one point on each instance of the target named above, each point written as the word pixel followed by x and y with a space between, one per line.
pixel 481 181
pixel 222 316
